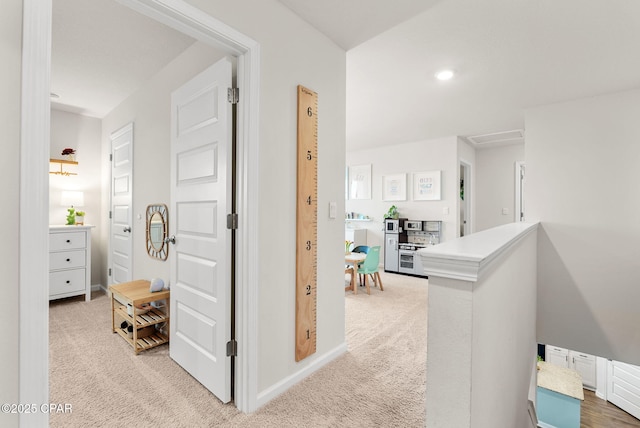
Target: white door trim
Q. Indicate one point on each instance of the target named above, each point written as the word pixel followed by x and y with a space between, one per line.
pixel 519 179
pixel 34 190
pixel 468 196
pixel 34 209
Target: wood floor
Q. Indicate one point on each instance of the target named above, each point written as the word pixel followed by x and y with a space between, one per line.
pixel 598 413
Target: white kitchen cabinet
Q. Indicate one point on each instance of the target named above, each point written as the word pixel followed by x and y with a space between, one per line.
pixel 69 261
pixel 557 356
pixel 357 236
pixel 584 364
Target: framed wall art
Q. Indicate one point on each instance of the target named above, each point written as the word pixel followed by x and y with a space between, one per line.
pixel 360 182
pixel 394 187
pixel 426 186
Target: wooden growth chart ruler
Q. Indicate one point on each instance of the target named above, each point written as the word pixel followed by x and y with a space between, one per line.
pixel 307 223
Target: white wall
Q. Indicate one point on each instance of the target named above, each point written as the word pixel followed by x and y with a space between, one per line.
pixel 422 156
pixel 149 110
pixel 10 78
pixel 83 134
pixel 582 160
pixel 292 53
pixel 495 184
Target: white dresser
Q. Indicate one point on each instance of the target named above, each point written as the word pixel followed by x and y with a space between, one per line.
pixel 69 261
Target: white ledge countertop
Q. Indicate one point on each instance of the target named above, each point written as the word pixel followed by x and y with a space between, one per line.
pixel 468 257
pixel 562 380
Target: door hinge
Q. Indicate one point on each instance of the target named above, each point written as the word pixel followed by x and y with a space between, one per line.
pixel 232 221
pixel 109 271
pixel 109 214
pixel 232 348
pixel 110 157
pixel 233 95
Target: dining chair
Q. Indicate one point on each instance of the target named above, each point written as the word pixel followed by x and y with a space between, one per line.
pixel 370 268
pixel 364 249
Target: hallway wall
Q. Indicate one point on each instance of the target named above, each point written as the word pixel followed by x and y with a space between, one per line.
pixel 582 160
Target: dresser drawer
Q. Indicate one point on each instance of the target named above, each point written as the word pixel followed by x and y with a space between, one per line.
pixel 67 241
pixel 67 260
pixel 66 281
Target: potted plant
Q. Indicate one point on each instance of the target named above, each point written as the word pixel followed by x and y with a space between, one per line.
pixel 392 213
pixel 71 216
pixel 79 217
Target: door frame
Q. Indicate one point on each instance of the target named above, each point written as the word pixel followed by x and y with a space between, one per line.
pixel 34 190
pixel 468 196
pixel 518 211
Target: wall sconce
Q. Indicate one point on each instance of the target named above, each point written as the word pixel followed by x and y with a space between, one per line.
pixel 57 166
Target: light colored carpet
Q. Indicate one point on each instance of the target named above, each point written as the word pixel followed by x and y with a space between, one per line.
pixel 380 382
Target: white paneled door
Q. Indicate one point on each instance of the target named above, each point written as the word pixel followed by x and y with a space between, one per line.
pixel 201 172
pixel 623 387
pixel 121 215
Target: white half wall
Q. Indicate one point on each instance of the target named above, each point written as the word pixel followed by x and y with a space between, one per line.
pixel 582 160
pixel 481 347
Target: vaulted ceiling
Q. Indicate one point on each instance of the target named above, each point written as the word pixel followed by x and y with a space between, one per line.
pixel 508 55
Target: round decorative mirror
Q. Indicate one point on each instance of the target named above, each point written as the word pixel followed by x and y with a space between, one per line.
pixel 157 228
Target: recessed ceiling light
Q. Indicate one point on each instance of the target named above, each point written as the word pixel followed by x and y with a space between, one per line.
pixel 444 75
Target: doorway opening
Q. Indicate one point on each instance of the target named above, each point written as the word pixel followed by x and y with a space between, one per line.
pixel 519 185
pixel 464 199
pixel 35 140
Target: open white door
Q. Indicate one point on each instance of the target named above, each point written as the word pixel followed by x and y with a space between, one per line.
pixel 121 214
pixel 623 387
pixel 201 180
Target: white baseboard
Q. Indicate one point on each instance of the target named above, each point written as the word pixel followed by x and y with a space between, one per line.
pixel 97 287
pixel 273 391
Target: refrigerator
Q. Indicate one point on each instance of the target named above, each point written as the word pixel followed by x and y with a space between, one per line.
pixel 394 234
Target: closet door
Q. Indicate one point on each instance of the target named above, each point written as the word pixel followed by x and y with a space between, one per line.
pixel 201 180
pixel 121 214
